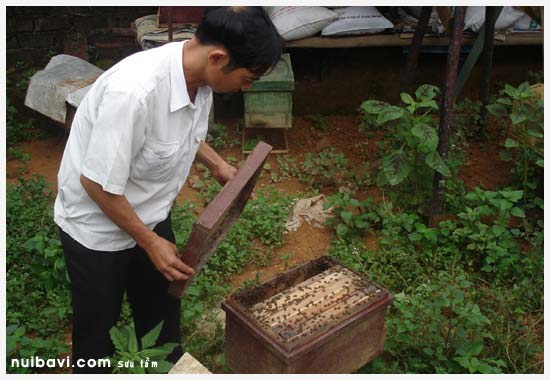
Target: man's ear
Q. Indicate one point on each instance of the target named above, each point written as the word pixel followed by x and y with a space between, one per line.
pixel 218 57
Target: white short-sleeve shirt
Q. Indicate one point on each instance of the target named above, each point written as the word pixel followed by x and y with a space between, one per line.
pixel 135 133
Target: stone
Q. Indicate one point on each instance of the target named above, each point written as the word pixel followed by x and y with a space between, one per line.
pixel 187 364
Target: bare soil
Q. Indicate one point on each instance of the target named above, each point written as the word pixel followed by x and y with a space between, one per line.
pixel 482 167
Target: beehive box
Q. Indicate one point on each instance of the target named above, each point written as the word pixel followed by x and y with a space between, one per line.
pixel 319 317
pixel 268 102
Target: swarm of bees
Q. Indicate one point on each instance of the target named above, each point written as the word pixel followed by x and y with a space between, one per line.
pixel 314 305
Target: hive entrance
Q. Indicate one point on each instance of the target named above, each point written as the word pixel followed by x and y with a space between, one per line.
pixel 315 304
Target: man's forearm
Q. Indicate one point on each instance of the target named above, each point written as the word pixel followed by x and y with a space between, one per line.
pixel 209 157
pixel 220 169
pixel 163 254
pixel 119 210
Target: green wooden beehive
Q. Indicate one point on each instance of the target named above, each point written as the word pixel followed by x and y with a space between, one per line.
pixel 268 102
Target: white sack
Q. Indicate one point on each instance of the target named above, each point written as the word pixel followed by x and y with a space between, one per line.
pixel 357 20
pixel 308 209
pixel 525 22
pixel 49 88
pixel 414 12
pixel 294 23
pixel 475 18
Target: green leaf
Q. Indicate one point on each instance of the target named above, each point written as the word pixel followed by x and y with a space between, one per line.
pixel 517 119
pixel 198 184
pixel 193 290
pixel 155 353
pixel 162 367
pixel 498 230
pixel 463 361
pixel 497 110
pixel 341 230
pixel 516 211
pixel 434 161
pixel 407 99
pixel 132 343
pixel 428 104
pixel 511 143
pixel 426 92
pixel 512 195
pixel 431 235
pixel 120 338
pixel 524 87
pixel 427 135
pixel 506 155
pixel 374 106
pixel 540 162
pixel 390 113
pixel 510 91
pixel 346 216
pixel 396 167
pixel 381 179
pixel 151 337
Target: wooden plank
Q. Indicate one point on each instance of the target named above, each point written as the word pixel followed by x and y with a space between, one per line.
pixel 297 297
pixel 404 39
pixel 330 316
pixel 313 304
pixel 218 218
pixel 306 283
pixel 308 301
pixel 296 293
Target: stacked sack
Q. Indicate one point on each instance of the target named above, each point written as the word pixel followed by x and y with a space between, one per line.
pixel 302 22
pixel 295 23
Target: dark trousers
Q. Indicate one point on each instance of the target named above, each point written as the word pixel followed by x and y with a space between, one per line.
pixel 98 282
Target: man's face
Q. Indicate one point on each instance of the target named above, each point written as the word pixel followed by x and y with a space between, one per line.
pixel 225 81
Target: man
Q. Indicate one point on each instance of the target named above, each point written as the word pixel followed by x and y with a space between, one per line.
pixel 132 143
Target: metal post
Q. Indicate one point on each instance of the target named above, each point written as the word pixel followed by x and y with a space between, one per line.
pixel 487 62
pixel 447 102
pixel 414 52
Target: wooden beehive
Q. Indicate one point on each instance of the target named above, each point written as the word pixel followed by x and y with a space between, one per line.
pixel 268 102
pixel 319 317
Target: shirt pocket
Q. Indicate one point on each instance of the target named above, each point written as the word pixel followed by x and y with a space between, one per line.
pixel 156 161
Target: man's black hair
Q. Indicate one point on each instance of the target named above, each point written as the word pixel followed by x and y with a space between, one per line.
pixel 247 34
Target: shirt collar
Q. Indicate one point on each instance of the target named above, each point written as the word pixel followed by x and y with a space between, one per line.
pixel 179 97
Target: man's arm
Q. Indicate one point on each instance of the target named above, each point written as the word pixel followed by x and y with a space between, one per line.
pixel 220 169
pixel 162 253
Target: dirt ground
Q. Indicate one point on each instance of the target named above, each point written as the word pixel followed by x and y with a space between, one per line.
pixel 482 167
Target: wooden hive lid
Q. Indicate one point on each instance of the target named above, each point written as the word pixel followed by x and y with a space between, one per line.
pixel 281 78
pixel 218 217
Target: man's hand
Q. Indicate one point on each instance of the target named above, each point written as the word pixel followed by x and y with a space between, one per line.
pixel 165 258
pixel 224 172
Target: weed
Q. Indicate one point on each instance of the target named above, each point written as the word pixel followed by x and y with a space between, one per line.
pixel 218 137
pixel 133 357
pixel 327 168
pixel 319 122
pixel 413 141
pixel 523 113
pixel 352 217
